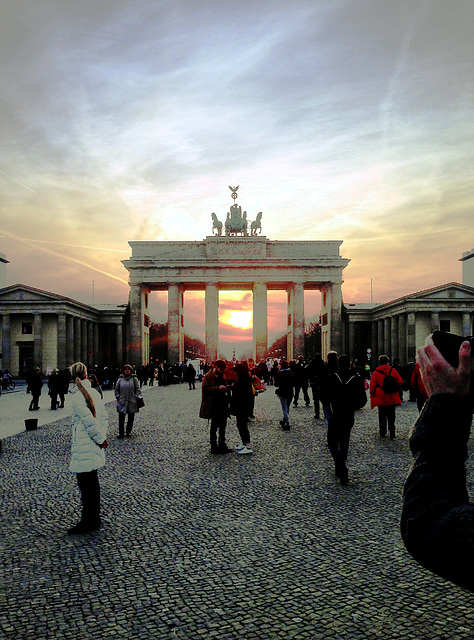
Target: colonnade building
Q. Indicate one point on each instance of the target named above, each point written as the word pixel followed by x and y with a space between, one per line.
pixel 398 328
pixel 46 330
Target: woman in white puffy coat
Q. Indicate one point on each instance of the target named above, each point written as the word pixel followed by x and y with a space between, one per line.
pixel 89 439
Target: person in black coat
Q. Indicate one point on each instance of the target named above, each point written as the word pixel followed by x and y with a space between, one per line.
pixel 346 394
pixel 437 523
pixel 34 383
pixel 285 382
pixel 241 405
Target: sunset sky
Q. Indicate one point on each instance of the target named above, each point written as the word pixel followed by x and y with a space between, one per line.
pixel 343 120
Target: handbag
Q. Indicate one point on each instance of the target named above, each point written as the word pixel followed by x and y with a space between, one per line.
pixel 140 402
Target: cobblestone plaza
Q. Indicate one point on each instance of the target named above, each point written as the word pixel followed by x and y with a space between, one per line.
pixel 196 546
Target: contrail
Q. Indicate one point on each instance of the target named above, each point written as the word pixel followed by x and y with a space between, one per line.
pixel 77 246
pixel 64 257
pixel 16 181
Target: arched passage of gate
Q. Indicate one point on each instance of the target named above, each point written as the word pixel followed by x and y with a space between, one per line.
pixel 240 263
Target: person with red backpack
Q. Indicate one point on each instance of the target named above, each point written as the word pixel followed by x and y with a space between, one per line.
pixel 384 394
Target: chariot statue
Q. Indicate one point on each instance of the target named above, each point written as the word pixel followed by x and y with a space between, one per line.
pixel 236 222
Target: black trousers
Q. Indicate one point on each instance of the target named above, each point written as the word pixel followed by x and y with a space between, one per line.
pixel 131 418
pixel 242 426
pixel 339 433
pixel 90 497
pixel 316 398
pixel 301 386
pixel 218 425
pixel 387 417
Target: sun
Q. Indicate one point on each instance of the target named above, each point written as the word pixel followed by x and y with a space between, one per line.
pixel 240 319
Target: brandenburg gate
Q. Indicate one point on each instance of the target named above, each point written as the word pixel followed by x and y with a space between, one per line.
pixel 238 260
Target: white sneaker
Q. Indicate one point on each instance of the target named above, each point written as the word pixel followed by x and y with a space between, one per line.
pixel 239 447
pixel 244 450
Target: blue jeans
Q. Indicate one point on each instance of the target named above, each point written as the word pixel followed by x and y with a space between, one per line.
pixel 285 406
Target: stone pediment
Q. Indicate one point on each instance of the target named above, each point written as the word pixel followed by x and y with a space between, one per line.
pixel 451 291
pixel 23 293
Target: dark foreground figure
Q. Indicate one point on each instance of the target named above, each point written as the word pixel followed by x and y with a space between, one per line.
pixel 437 522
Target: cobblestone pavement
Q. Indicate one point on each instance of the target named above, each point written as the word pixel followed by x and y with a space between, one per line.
pixel 196 546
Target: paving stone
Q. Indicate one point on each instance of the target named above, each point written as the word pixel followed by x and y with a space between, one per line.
pixel 200 546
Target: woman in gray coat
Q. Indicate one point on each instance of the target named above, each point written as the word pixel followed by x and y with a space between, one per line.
pixel 127 389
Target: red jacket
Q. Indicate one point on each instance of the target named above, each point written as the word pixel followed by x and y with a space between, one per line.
pixel 417 382
pixel 378 397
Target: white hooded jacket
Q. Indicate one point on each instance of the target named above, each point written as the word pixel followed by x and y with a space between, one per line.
pixel 87 432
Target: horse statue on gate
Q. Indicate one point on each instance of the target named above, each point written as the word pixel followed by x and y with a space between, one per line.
pixel 256 224
pixel 217 225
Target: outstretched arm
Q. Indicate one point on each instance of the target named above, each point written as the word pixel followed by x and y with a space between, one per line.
pixel 437 523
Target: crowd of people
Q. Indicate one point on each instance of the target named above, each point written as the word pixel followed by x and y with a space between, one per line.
pixel 437 523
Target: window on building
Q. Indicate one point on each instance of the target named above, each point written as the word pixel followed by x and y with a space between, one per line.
pixel 26 328
pixel 445 325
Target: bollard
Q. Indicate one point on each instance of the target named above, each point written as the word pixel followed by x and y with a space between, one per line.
pixel 31 424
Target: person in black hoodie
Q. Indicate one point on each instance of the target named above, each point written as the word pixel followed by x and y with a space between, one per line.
pixel 285 382
pixel 437 523
pixel 346 394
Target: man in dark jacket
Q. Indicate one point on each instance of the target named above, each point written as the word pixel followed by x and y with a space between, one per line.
pixel 346 394
pixel 285 382
pixel 301 384
pixel 215 405
pixel 437 522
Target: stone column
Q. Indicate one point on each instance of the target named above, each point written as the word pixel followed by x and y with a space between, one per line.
pixel 6 342
pixel 175 324
pixel 38 341
pixel 296 321
pixel 77 340
pixel 62 342
pixel 119 347
pixel 402 338
pixel 434 321
pixel 84 355
pixel 351 345
pixel 394 338
pixel 212 321
pixel 336 317
pixel 374 346
pixel 467 325
pixel 260 331
pixel 134 350
pixel 380 341
pixel 69 340
pixel 411 337
pixel 95 341
pixel 387 326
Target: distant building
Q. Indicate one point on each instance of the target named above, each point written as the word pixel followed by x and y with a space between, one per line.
pixel 3 270
pixel 468 268
pixel 398 328
pixel 46 330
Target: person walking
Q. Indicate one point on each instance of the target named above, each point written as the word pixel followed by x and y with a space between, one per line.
pixel 301 384
pixel 215 405
pixel 346 394
pixel 191 376
pixel 127 390
pixel 89 440
pixel 34 384
pixel 384 386
pixel 53 385
pixel 285 382
pixel 241 405
pixel 330 366
pixel 416 383
pixel 313 373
